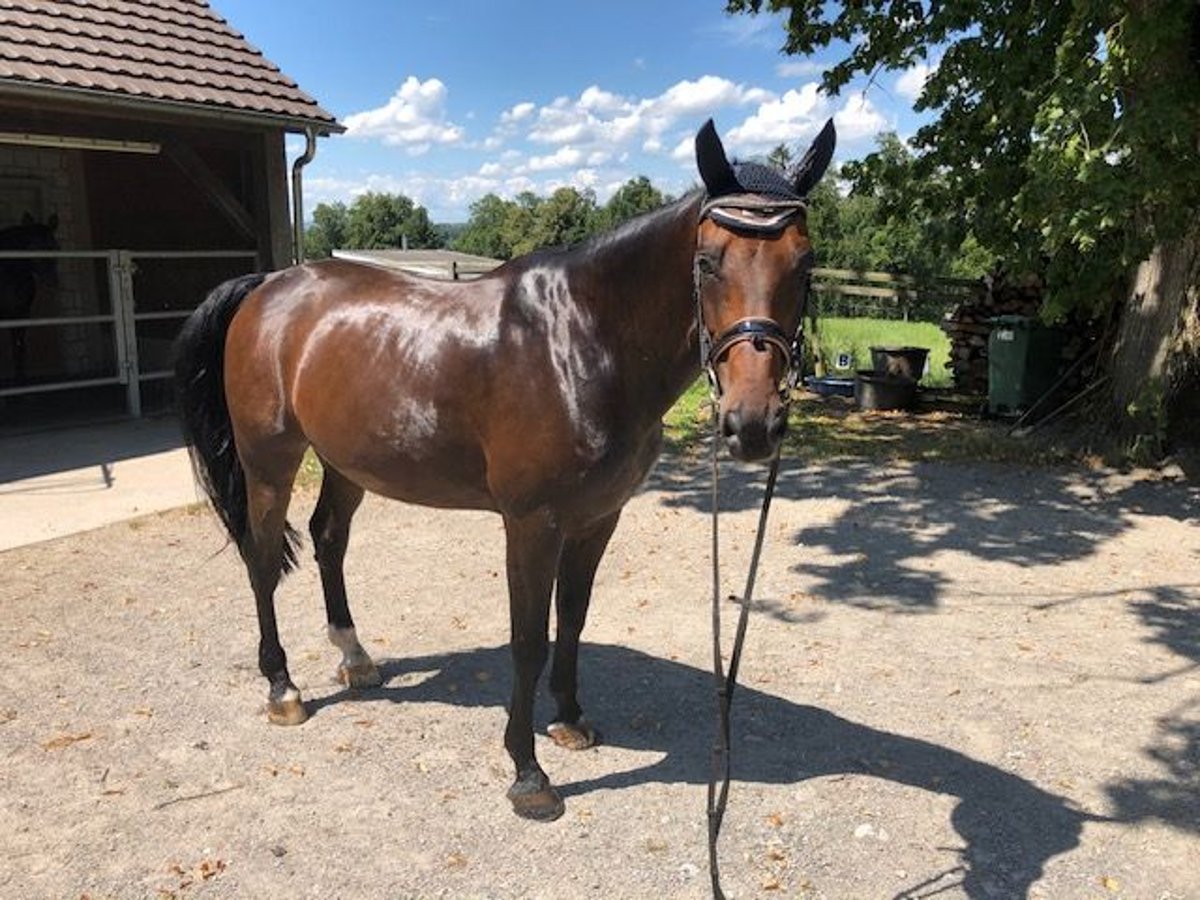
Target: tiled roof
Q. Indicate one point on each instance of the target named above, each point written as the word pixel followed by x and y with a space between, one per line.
pixel 151 51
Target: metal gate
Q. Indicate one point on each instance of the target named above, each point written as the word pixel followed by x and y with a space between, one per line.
pixel 140 297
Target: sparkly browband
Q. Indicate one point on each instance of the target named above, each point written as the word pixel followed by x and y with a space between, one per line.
pixel 751 212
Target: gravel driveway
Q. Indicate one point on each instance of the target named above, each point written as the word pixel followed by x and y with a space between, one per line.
pixel 962 681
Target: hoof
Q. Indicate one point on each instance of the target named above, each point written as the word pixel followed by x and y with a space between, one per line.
pixel 536 800
pixel 579 736
pixel 286 712
pixel 361 676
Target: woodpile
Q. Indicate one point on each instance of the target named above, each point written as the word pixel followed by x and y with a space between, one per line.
pixel 967 325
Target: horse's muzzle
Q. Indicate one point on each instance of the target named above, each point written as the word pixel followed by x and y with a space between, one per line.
pixel 753 437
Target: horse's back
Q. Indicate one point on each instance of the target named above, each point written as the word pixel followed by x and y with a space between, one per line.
pixel 373 369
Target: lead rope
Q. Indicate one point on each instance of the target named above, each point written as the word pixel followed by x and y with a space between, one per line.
pixel 725 682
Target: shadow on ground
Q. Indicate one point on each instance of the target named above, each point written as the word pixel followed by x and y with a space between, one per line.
pixel 898 513
pixel 893 515
pixel 1009 827
pixel 62 450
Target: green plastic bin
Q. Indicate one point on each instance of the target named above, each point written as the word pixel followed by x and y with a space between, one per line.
pixel 1024 361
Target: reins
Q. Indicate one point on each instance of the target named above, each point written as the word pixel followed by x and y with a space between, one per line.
pixel 761 332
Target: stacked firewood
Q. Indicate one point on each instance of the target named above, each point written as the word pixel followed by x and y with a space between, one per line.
pixel 968 325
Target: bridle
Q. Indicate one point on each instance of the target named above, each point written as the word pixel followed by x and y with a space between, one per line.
pixel 755 214
pixel 752 213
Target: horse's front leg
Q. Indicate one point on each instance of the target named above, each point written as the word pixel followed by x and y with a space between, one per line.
pixel 576 573
pixel 534 545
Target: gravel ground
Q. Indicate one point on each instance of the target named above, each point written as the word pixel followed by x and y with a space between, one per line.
pixel 961 681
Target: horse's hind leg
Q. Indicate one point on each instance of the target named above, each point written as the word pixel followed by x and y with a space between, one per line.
pixel 264 550
pixel 330 529
pixel 576 573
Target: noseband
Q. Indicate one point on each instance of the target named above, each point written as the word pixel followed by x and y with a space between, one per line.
pixel 755 214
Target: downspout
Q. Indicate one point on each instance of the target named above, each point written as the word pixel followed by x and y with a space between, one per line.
pixel 310 150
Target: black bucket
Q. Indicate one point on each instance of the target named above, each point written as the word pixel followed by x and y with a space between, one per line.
pixel 900 362
pixel 878 390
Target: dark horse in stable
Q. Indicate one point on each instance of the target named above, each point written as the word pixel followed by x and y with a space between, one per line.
pixel 536 391
pixel 22 278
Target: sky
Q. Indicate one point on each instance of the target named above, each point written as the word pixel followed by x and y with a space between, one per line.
pixel 446 102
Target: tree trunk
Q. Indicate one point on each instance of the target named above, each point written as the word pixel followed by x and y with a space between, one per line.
pixel 1155 361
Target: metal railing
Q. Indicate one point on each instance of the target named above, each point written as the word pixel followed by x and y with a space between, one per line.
pixel 124 317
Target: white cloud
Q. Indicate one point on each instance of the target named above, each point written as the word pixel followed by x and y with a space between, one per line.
pixel 858 118
pixel 562 158
pixel 799 68
pixel 705 93
pixel 598 100
pixel 756 31
pixel 602 120
pixel 518 113
pixel 413 118
pixel 911 81
pixel 782 119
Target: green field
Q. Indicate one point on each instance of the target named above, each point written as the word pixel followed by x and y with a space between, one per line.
pixel 857 336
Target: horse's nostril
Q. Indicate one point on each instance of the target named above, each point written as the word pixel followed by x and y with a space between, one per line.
pixel 731 423
pixel 779 425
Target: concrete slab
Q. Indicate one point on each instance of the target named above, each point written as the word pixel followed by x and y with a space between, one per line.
pixel 55 483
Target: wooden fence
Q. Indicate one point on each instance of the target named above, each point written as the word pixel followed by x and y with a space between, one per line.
pixel 850 293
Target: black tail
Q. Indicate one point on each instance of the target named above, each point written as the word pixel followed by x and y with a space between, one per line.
pixel 204 412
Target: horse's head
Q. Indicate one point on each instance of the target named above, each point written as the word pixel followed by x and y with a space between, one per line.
pixel 752 260
pixel 31 234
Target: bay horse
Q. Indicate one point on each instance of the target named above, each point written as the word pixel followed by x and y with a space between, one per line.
pixel 22 279
pixel 536 391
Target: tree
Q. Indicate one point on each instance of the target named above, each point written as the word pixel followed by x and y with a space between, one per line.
pixel 385 221
pixel 634 197
pixel 883 225
pixel 781 158
pixel 486 231
pixel 1067 140
pixel 565 217
pixel 326 232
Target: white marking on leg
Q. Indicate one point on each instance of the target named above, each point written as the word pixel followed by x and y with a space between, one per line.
pixel 353 654
pixel 290 695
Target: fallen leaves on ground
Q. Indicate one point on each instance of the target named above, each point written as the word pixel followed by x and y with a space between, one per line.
pixel 66 740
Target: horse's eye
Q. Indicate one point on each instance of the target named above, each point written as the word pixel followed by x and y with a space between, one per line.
pixel 709 268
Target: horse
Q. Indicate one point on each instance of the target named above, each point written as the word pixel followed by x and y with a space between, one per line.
pixel 22 279
pixel 536 391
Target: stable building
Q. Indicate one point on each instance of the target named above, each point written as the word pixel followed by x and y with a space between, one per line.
pixel 142 161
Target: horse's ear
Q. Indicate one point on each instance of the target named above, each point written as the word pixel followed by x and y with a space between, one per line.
pixel 714 167
pixel 52 222
pixel 816 160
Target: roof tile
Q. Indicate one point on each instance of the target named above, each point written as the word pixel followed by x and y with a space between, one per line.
pixel 174 50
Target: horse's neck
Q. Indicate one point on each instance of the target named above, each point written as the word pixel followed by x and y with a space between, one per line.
pixel 645 298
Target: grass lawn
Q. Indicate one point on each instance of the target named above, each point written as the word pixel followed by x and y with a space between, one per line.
pixel 857 336
pixel 826 428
